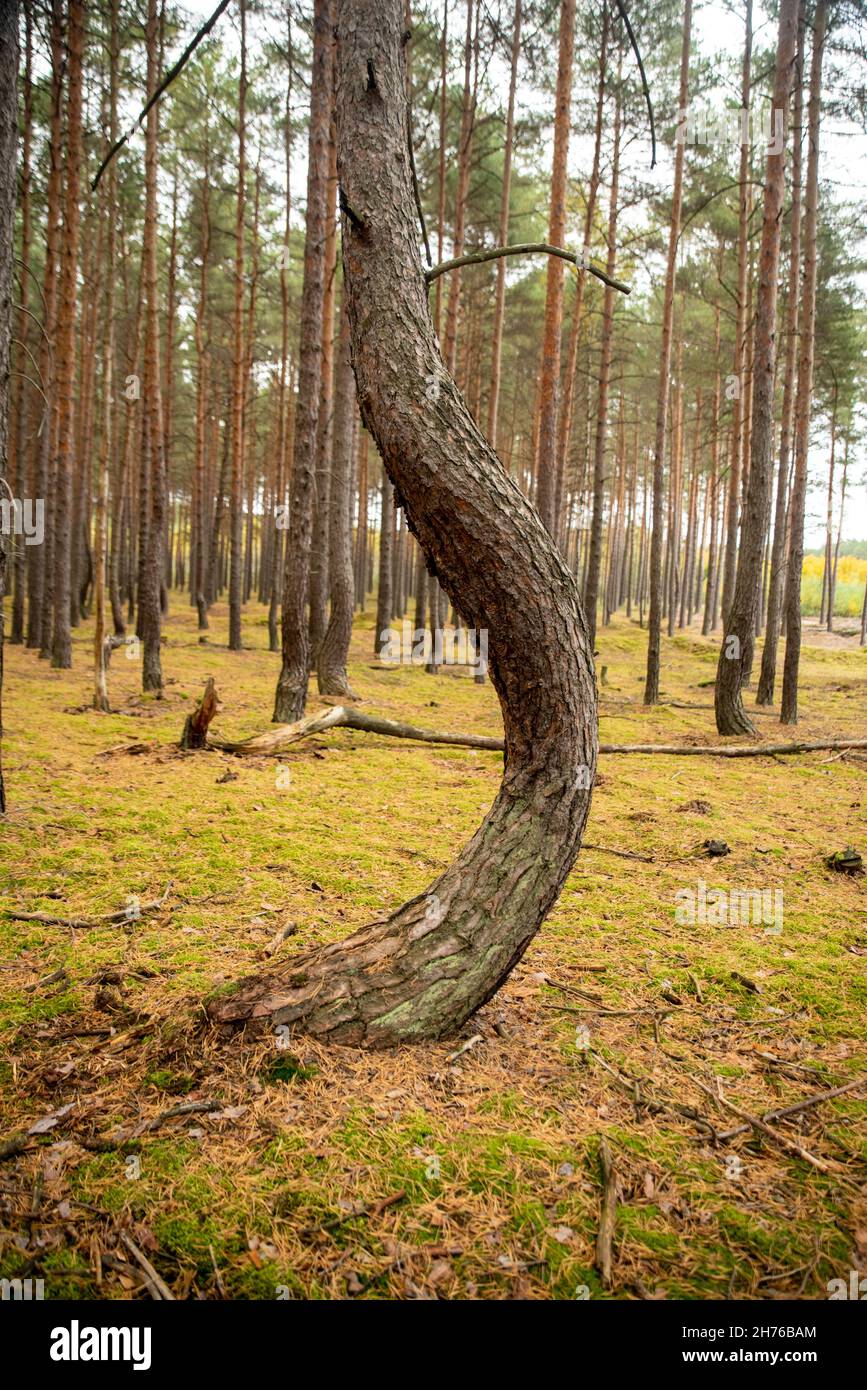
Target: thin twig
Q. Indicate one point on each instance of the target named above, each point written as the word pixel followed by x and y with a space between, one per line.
pixel 802 1105
pixel 157 1286
pixel 755 1123
pixel 169 78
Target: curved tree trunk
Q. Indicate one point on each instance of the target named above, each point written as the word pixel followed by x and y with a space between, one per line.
pixel 425 969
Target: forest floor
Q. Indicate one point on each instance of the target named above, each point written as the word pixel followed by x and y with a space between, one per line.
pixel 322 1173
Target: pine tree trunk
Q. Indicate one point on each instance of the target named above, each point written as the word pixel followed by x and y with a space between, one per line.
pixel 546 493
pixel 18 427
pixel 566 407
pixel 284 440
pixel 334 649
pixel 61 644
pixel 422 971
pixel 40 584
pixel 319 545
pixel 154 503
pixel 468 117
pixel 594 565
pixel 239 361
pixel 8 192
pixel 291 694
pixel 767 675
pixel 741 326
pixel 109 212
pixel 651 687
pixel 738 644
pixel 384 592
pixel 789 701
pixel 500 299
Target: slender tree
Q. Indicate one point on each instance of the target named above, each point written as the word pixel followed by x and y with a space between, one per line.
pixel 651 688
pixel 291 695
pixel 738 644
pixel 239 376
pixel 8 147
pixel 767 675
pixel 791 665
pixel 100 684
pixel 153 500
pixel 61 648
pixel 505 196
pixel 334 649
pixel 550 371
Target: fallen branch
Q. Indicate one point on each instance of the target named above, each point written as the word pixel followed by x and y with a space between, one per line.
pixel 11 1148
pixel 344 717
pixel 621 853
pixel 607 1214
pixel 83 923
pixel 157 1287
pixel 754 1122
pixel 757 750
pixel 802 1105
pixel 654 1105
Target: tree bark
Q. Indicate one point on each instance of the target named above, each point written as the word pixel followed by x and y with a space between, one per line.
pixel 154 502
pixel 384 591
pixel 654 636
pixel 789 701
pixel 566 405
pixel 291 695
pixel 334 649
pixel 468 120
pixel 41 583
pixel 738 644
pixel 100 681
pixel 239 361
pixel 594 564
pixel 500 298
pixel 550 375
pixel 767 675
pixel 8 190
pixel 319 542
pixel 427 967
pixel 741 327
pixel 61 648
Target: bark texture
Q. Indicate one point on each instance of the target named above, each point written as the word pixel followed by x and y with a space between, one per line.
pixel 291 695
pixel 789 700
pixel 651 687
pixel 331 662
pixel 738 645
pixel 8 146
pixel 425 969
